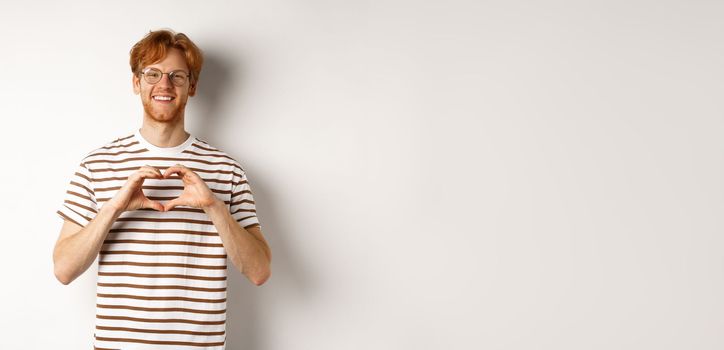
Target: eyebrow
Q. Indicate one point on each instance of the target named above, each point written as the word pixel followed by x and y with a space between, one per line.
pixel 172 70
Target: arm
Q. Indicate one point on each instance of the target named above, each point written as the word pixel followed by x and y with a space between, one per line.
pixel 77 247
pixel 246 248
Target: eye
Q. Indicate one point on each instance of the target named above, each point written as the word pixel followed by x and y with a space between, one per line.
pixel 152 73
pixel 179 77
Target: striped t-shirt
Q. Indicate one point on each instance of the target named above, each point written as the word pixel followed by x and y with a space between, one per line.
pixel 161 275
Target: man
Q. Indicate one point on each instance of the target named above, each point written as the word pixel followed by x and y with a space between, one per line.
pixel 164 209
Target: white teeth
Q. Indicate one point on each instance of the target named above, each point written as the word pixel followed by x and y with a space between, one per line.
pixel 163 98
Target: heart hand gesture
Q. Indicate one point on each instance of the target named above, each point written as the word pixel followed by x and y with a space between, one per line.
pixel 131 197
pixel 195 194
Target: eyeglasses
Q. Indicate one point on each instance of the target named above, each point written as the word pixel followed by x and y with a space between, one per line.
pixel 153 76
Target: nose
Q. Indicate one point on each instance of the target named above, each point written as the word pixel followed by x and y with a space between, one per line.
pixel 165 80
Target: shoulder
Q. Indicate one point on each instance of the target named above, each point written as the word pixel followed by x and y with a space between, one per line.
pixel 201 148
pixel 122 144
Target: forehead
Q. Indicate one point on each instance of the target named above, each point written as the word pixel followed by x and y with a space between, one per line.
pixel 174 59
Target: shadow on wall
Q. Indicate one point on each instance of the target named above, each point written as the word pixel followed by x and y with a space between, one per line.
pixel 214 81
pixel 247 303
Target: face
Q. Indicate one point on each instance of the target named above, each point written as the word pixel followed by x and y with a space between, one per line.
pixel 158 109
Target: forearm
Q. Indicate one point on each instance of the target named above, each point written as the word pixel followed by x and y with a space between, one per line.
pixel 246 252
pixel 74 254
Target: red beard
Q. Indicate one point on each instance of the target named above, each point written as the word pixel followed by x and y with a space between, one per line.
pixel 162 114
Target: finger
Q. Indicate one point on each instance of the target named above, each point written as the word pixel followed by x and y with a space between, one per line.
pixel 175 170
pixel 152 175
pixel 147 203
pixel 172 203
pixel 154 170
pixel 139 177
pixel 147 171
pixel 145 168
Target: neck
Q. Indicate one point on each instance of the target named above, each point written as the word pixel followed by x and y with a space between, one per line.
pixel 163 134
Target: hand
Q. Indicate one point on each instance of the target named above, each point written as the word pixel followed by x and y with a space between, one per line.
pixel 131 197
pixel 195 194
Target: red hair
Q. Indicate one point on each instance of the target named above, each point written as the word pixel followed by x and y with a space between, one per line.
pixel 156 44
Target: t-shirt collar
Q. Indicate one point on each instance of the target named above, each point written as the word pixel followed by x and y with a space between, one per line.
pixel 163 150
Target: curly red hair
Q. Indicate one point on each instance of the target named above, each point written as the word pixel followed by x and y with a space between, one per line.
pixel 155 45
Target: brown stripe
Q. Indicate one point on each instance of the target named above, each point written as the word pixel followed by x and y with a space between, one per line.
pixel 193 255
pixel 139 297
pixel 205 148
pixel 118 146
pixel 197 170
pixel 102 189
pixel 125 178
pixel 124 138
pixel 141 286
pixel 117 153
pixel 246 217
pixel 159 342
pixel 190 266
pixel 190 210
pixel 235 203
pixel 140 241
pixel 188 277
pixel 158 331
pixel 173 231
pixel 83 176
pixel 81 186
pixel 162 309
pixel 110 178
pixel 242 192
pixel 190 221
pixel 167 188
pixel 79 214
pixel 157 198
pixel 208 155
pixel 80 195
pixel 240 210
pixel 131 159
pixel 168 198
pixel 80 206
pixel 68 218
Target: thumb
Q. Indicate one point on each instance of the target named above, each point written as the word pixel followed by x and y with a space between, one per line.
pixel 147 203
pixel 172 203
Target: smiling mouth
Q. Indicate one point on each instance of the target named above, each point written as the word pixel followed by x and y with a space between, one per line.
pixel 163 98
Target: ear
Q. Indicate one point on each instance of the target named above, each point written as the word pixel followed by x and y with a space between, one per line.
pixel 192 89
pixel 136 84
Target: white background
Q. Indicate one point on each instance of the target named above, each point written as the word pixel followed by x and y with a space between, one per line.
pixel 429 174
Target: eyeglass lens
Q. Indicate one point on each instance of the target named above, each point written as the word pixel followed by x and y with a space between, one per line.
pixel 153 76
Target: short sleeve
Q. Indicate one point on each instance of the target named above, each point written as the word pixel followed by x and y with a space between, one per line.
pixel 242 206
pixel 79 204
